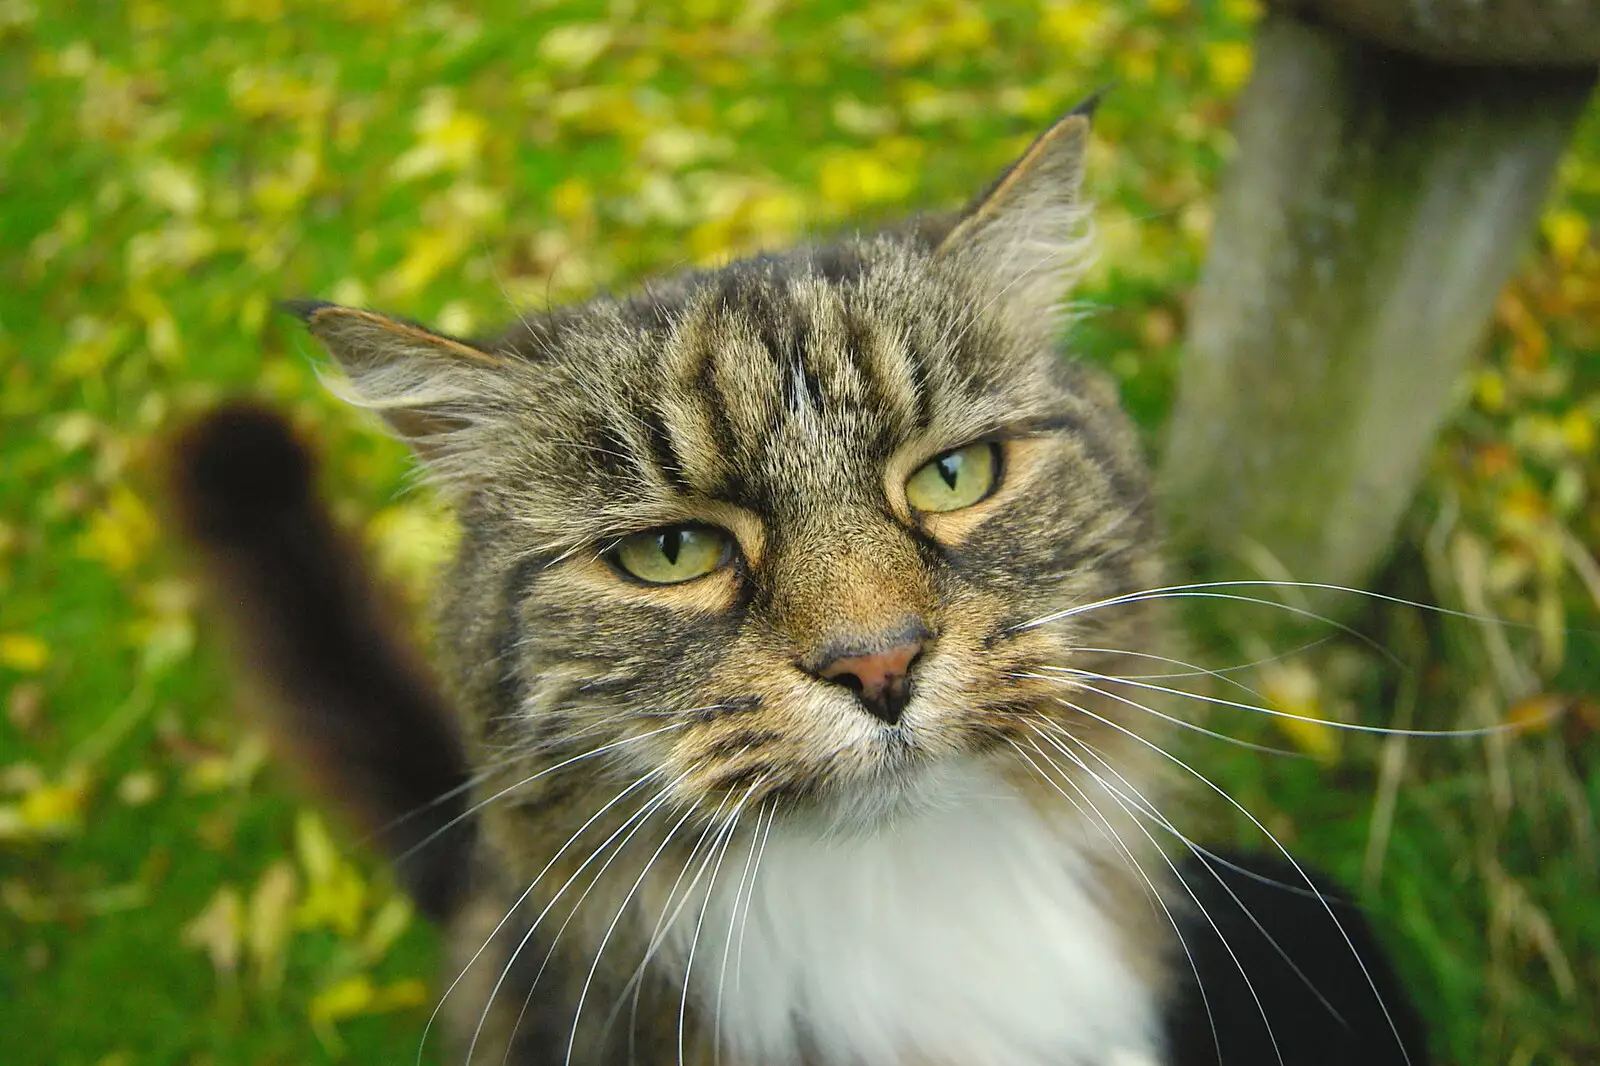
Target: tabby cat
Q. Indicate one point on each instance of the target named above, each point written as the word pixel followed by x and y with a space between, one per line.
pixel 768 728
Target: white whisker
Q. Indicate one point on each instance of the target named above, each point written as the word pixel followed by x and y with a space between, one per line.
pixel 621 909
pixel 534 925
pixel 1251 745
pixel 1129 597
pixel 1196 592
pixel 738 962
pixel 1237 962
pixel 513 909
pixel 727 944
pixel 663 927
pixel 1138 867
pixel 705 905
pixel 1354 727
pixel 1344 935
pixel 475 808
pixel 1195 670
pixel 1139 804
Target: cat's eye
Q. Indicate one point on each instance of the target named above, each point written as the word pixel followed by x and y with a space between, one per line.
pixel 672 554
pixel 954 479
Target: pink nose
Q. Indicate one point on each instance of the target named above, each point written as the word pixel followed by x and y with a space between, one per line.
pixel 878 678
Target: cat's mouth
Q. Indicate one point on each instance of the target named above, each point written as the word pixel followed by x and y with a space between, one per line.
pixel 903 767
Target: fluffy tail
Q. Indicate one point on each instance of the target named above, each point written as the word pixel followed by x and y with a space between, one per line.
pixel 350 702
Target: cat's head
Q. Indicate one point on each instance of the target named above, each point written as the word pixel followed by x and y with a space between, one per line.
pixel 785 523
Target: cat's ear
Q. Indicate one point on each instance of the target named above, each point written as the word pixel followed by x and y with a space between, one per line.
pixel 1028 233
pixel 430 389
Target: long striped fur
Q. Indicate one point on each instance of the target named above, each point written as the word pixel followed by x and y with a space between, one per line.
pixel 688 846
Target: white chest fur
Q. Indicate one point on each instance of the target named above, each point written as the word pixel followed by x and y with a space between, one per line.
pixel 963 932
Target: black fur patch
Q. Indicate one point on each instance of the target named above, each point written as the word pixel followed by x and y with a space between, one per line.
pixel 1331 1013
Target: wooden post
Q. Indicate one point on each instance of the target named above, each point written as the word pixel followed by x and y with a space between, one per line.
pixel 1377 206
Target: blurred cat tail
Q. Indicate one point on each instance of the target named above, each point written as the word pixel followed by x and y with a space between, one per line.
pixel 348 699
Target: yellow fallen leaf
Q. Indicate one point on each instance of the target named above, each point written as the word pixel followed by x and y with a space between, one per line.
pixel 1578 431
pixel 1294 692
pixel 23 653
pixel 401 995
pixel 50 810
pixel 387 926
pixel 1535 714
pixel 172 186
pixel 852 178
pixel 1489 389
pixel 428 253
pixel 447 139
pixel 1229 63
pixel 575 45
pixel 336 896
pixel 1567 233
pixel 217 930
pixel 573 202
pixel 268 925
pixel 138 788
pixel 356 996
pixel 121 532
pixel 1084 26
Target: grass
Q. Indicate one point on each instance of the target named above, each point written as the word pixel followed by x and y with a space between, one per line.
pixel 171 169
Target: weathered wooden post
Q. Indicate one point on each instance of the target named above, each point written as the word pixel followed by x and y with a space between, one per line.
pixel 1393 157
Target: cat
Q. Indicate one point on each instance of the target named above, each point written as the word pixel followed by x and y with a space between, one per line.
pixel 764 727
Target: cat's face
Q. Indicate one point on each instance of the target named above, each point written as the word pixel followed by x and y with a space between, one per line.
pixel 792 517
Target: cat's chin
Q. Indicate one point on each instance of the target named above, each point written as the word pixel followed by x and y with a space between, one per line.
pixel 878 803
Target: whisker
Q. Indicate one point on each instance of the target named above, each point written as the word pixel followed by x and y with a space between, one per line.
pixel 513 909
pixel 1141 805
pixel 1195 670
pixel 1251 745
pixel 1108 832
pixel 1201 849
pixel 711 889
pixel 1384 597
pixel 663 927
pixel 744 922
pixel 475 808
pixel 527 936
pixel 1189 889
pixel 1138 867
pixel 621 909
pixel 1195 592
pixel 483 774
pixel 1354 727
pixel 655 803
pixel 727 944
pixel 1344 935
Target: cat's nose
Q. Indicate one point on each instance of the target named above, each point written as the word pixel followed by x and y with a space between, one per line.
pixel 876 671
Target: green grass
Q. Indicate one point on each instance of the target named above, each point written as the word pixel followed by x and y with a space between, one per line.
pixel 166 174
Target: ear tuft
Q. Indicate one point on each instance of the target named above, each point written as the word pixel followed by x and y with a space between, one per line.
pixel 1089 104
pixel 431 389
pixel 303 309
pixel 1028 235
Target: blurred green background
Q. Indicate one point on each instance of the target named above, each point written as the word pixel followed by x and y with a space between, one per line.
pixel 167 170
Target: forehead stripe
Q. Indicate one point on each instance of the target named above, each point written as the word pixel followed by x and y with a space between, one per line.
pixel 661 449
pixel 886 370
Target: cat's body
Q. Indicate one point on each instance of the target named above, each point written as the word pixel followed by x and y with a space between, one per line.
pixel 773 636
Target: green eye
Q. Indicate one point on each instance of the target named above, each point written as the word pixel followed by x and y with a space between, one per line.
pixel 671 555
pixel 956 479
